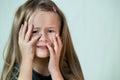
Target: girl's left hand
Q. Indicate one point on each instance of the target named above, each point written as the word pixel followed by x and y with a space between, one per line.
pixel 55 53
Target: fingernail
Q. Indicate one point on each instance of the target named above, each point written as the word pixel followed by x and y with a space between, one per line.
pixel 56 34
pixel 22 25
pixel 25 22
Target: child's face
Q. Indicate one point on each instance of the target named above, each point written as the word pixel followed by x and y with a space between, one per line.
pixel 46 24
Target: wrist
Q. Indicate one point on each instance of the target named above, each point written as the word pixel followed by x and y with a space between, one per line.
pixel 54 69
pixel 25 70
pixel 28 60
pixel 27 63
pixel 56 74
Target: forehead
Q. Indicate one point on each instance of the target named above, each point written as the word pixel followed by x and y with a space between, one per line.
pixel 39 18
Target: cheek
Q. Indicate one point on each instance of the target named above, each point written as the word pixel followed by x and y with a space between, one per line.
pixel 51 38
pixel 33 35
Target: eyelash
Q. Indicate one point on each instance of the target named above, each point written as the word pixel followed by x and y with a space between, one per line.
pixel 34 32
pixel 49 31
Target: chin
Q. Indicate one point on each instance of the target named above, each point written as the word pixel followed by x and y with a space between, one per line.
pixel 42 53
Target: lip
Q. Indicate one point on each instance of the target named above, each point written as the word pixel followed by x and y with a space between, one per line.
pixel 42 47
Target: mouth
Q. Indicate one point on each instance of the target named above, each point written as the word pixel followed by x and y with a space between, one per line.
pixel 42 47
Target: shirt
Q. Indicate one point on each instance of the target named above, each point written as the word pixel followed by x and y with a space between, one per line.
pixel 35 75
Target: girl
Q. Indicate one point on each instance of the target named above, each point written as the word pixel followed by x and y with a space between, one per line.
pixel 40 46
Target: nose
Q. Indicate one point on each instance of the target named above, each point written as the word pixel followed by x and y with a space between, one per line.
pixel 43 37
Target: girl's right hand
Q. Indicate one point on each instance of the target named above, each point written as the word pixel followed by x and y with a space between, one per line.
pixel 27 44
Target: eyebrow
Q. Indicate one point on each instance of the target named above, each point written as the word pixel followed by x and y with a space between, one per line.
pixel 46 27
pixel 36 28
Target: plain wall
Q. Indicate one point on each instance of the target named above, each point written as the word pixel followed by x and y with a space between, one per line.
pixel 95 31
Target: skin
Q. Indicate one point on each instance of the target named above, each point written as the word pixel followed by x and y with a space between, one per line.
pixel 42 29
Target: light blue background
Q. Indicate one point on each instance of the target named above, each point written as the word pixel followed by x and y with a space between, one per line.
pixel 95 31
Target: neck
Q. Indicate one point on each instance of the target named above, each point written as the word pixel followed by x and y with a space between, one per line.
pixel 40 65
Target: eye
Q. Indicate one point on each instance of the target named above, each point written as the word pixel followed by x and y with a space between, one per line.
pixel 35 31
pixel 51 31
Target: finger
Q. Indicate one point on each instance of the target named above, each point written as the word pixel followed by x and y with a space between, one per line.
pixel 50 50
pixel 55 43
pixel 20 31
pixel 24 30
pixel 29 32
pixel 59 40
pixel 35 39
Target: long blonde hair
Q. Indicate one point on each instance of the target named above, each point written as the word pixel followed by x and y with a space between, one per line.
pixel 69 63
